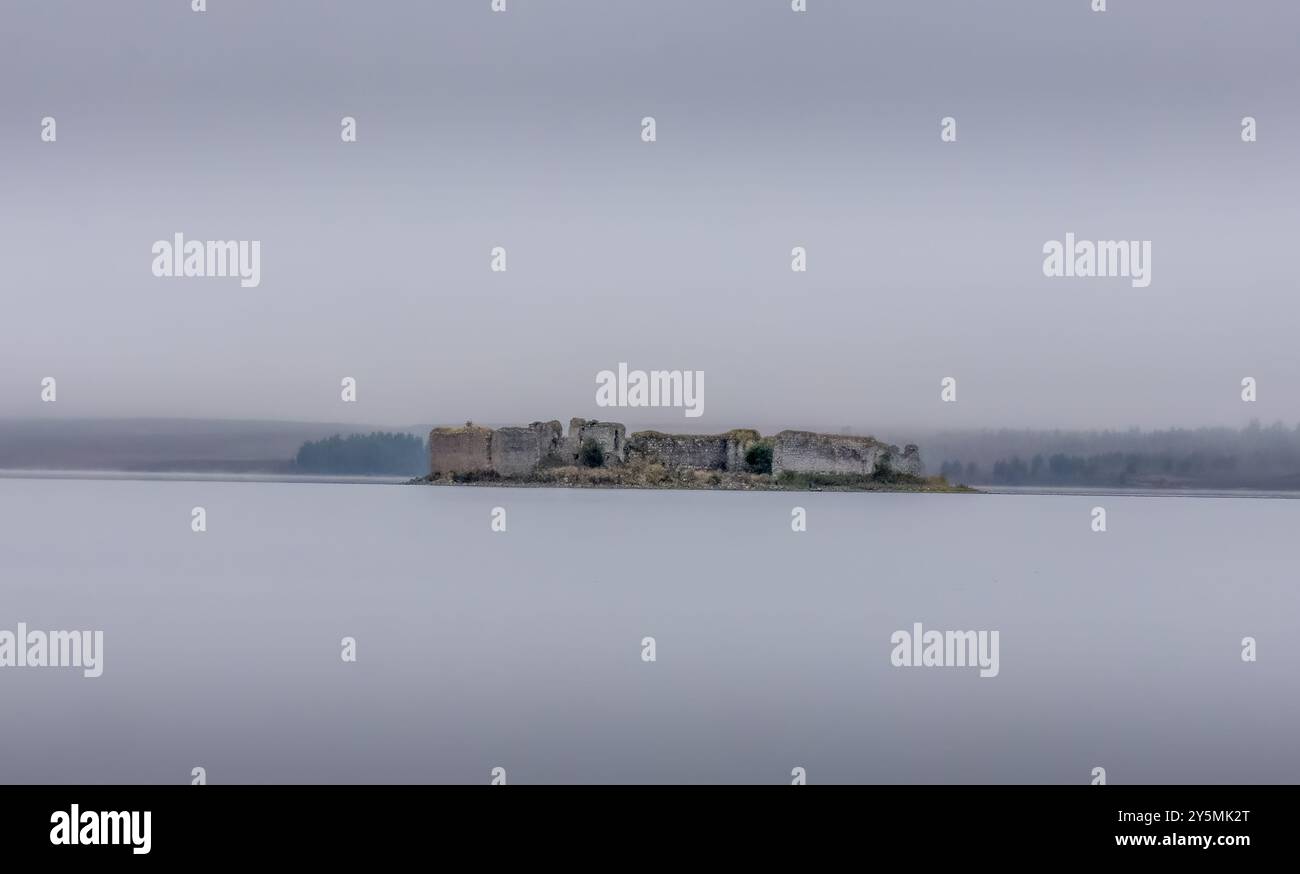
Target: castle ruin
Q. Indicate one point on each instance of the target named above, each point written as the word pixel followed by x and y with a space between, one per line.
pixel 519 451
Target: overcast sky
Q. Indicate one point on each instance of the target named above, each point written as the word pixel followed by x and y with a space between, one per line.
pixel 775 130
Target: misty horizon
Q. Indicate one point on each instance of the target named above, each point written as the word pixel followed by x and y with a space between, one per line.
pixel 641 423
pixel 925 258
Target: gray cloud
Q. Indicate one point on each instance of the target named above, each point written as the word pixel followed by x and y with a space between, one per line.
pixel 775 130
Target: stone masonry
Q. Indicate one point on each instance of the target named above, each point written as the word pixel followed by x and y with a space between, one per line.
pixel 700 451
pixel 518 451
pixel 611 436
pixel 810 452
pixel 460 450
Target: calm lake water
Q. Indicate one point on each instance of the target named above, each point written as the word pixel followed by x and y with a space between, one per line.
pixel 522 649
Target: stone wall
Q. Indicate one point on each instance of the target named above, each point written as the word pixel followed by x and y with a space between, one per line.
pixel 808 452
pixel 460 450
pixel 738 444
pixel 699 451
pixel 550 438
pixel 518 451
pixel 611 436
pixel 910 461
pixel 515 451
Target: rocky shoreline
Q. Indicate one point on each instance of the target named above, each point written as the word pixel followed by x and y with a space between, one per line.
pixel 638 475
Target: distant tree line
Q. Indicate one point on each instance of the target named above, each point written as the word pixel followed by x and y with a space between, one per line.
pixel 1111 468
pixel 377 453
pixel 956 472
pixel 1251 457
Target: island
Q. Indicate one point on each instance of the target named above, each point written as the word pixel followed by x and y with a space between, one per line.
pixel 596 454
